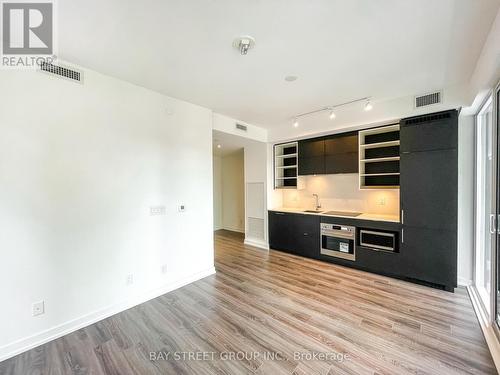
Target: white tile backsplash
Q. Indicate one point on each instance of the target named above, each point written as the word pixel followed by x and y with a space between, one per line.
pixel 341 192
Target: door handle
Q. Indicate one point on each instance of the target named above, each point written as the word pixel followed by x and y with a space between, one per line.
pixel 492 224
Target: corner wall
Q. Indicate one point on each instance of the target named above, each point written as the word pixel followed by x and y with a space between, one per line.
pixel 80 167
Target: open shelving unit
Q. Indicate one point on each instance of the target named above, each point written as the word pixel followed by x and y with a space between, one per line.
pixel 379 158
pixel 285 165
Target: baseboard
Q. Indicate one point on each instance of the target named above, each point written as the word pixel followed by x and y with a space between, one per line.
pixel 256 243
pixel 486 326
pixel 231 229
pixel 464 282
pixel 22 345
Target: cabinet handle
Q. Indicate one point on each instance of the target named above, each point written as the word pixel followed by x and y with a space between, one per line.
pixel 279 213
pixel 306 234
pixel 402 216
pixel 492 224
pixel 402 236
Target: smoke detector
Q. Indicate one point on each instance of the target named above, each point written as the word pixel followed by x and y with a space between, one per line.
pixel 244 43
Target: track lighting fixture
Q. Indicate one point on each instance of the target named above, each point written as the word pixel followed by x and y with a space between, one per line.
pixel 332 115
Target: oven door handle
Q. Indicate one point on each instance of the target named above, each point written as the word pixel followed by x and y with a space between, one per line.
pixel 338 235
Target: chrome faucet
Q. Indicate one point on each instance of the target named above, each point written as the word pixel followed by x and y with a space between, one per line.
pixel 318 206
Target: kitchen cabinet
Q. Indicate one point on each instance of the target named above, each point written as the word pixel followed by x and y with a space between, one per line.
pixel 312 156
pixel 429 177
pixel 294 233
pixel 429 189
pixel 281 230
pixel 341 153
pixel 337 153
pixel 430 256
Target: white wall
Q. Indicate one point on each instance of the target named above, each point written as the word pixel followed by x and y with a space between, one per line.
pixel 217 168
pixel 80 166
pixel 341 192
pixel 233 192
pixel 466 162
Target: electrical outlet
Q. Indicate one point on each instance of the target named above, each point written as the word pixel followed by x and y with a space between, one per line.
pixel 182 208
pixel 39 308
pixel 129 280
pixel 157 210
pixel 164 269
pixel 382 201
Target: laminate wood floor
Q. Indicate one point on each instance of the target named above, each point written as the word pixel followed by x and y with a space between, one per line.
pixel 274 313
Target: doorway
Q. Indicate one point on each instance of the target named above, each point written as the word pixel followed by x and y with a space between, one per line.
pixel 228 187
pixel 485 227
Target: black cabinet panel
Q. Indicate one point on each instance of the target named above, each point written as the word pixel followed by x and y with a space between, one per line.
pixel 429 189
pixel 430 255
pixel 281 230
pixel 328 155
pixel 311 156
pixel 342 163
pixel 341 144
pixel 430 132
pixel 307 228
pixel 311 165
pixel 294 233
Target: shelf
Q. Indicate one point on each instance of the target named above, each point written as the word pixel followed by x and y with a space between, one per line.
pixel 287 156
pixel 380 130
pixel 377 160
pixel 286 178
pixel 380 144
pixel 286 167
pixel 379 174
pixel 379 187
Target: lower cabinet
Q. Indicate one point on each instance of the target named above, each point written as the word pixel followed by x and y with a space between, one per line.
pixel 294 233
pixel 430 256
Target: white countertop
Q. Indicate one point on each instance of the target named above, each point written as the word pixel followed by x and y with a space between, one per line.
pixel 363 216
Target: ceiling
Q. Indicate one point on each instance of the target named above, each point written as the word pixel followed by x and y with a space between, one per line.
pixel 339 49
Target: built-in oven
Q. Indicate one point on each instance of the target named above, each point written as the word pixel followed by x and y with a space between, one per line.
pixel 338 241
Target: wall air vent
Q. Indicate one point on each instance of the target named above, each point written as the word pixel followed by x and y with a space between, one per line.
pixel 62 72
pixel 428 99
pixel 241 127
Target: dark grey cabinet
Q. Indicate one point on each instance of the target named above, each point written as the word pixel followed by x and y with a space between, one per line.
pixel 429 177
pixel 294 233
pixel 311 156
pixel 429 189
pixel 341 153
pixel 329 155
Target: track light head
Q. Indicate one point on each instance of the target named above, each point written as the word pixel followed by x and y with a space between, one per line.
pixel 368 106
pixel 332 115
pixel 296 123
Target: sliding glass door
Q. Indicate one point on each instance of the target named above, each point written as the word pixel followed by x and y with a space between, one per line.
pixel 485 202
pixel 496 292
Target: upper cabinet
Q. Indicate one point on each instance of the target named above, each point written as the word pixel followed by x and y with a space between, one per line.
pixel 337 153
pixel 312 156
pixel 379 158
pixel 341 153
pixel 285 166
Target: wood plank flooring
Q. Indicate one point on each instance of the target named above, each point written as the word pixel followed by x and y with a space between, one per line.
pixel 274 313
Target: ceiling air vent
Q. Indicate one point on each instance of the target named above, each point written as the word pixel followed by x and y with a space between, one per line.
pixel 62 72
pixel 241 127
pixel 428 99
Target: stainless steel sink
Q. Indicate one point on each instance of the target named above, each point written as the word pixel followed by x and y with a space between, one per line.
pixel 313 211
